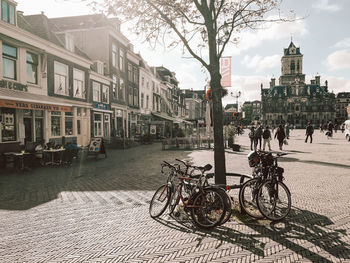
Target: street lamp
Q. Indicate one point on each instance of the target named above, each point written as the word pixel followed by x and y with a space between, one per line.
pixel 236 96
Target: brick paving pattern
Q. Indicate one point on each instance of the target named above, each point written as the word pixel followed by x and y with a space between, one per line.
pixel 97 211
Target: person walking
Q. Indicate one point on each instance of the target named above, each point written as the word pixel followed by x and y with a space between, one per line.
pixel 280 134
pixel 287 130
pixel 309 131
pixel 330 127
pixel 258 137
pixel 252 138
pixel 267 138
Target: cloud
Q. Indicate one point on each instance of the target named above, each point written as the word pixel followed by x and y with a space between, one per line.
pixel 260 63
pixel 337 84
pixel 325 6
pixel 339 59
pixel 345 43
pixel 271 32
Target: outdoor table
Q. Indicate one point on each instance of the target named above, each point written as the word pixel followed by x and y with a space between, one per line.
pixel 52 153
pixel 20 156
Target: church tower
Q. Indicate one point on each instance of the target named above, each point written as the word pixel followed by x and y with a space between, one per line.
pixel 292 66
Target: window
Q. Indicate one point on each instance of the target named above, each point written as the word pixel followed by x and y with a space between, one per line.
pixel 131 95
pixel 78 83
pixel 114 86
pixel 99 67
pixel 142 97
pixel 105 94
pixel 78 127
pixel 121 59
pixel 32 68
pixel 9 61
pixel 8 127
pixel 136 97
pixel 114 56
pixel 147 101
pixel 142 82
pixel 121 91
pixel 130 75
pixel 55 123
pixel 136 77
pixel 68 127
pixel 61 78
pixel 69 42
pixel 8 12
pixel 97 124
pixel 96 92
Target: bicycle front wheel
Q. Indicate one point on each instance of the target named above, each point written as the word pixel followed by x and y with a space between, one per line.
pixel 247 198
pixel 274 200
pixel 208 209
pixel 160 201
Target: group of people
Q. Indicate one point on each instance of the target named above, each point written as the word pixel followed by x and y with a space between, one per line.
pixel 259 134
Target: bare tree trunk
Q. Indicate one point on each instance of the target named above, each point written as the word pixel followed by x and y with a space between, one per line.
pixel 219 150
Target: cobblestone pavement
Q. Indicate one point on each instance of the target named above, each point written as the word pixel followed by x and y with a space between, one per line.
pixel 97 211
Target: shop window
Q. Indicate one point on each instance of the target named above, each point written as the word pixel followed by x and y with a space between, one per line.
pixel 68 123
pixel 96 89
pixel 98 124
pixel 8 127
pixel 8 12
pixel 105 94
pixel 32 68
pixel 61 78
pixel 55 123
pixel 9 60
pixel 79 83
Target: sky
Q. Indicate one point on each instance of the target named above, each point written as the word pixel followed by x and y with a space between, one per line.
pixel 323 36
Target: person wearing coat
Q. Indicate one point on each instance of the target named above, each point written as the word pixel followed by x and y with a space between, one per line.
pixel 281 135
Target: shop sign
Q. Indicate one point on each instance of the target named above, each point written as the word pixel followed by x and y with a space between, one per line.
pixel 101 106
pixel 33 106
pixel 153 129
pixel 13 85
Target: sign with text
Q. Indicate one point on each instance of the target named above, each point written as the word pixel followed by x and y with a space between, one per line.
pixel 33 106
pixel 225 71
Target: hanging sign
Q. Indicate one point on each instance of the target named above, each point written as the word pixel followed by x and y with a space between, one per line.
pixel 225 71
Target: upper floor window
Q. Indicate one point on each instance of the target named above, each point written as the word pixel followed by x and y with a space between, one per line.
pixel 61 78
pixel 32 68
pixel 9 61
pixel 96 92
pixel 79 83
pixel 142 98
pixel 69 43
pixel 114 86
pixel 130 75
pixel 136 77
pixel 142 82
pixel 121 90
pixel 8 12
pixel 105 94
pixel 114 55
pixel 121 59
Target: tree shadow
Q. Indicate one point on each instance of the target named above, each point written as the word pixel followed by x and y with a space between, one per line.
pixel 301 232
pixel 290 159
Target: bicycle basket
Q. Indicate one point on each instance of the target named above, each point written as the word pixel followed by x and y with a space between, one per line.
pixel 253 159
pixel 267 160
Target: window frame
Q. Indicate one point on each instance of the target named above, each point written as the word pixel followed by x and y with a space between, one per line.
pixel 9 57
pixel 34 65
pixel 56 74
pixel 8 16
pixel 105 92
pixel 96 87
pixel 76 81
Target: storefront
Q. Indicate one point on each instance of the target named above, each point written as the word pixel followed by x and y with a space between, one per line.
pixel 101 121
pixel 120 121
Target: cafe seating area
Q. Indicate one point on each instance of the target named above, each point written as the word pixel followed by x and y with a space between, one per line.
pixel 57 152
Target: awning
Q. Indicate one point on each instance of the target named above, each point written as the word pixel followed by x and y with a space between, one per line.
pixel 163 116
pixel 25 100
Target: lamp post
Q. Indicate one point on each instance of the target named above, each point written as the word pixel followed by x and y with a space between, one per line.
pixel 236 96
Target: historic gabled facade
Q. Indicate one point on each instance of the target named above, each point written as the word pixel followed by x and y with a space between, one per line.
pixel 343 101
pixel 293 101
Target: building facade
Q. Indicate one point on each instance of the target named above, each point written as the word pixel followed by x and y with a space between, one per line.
pixel 342 102
pixel 293 101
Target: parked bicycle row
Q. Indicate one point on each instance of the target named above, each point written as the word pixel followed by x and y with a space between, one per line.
pixel 262 194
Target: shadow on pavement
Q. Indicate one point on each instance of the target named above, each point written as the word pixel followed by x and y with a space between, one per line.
pixel 131 169
pixel 303 232
pixel 290 159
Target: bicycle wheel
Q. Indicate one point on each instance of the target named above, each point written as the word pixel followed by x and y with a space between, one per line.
pixel 247 198
pixel 208 209
pixel 228 204
pixel 160 201
pixel 274 200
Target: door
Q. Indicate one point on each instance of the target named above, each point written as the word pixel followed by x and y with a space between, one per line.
pixel 27 130
pixel 39 130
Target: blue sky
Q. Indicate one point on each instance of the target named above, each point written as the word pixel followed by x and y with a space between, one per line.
pixel 323 37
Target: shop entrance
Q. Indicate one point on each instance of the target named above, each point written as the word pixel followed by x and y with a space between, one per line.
pixel 28 128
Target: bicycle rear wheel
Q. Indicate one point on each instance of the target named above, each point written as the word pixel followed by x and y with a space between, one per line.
pixel 160 201
pixel 175 198
pixel 274 200
pixel 209 209
pixel 247 198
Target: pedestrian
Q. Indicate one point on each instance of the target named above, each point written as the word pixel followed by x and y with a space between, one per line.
pixel 330 127
pixel 280 134
pixel 343 128
pixel 251 137
pixel 258 137
pixel 287 130
pixel 267 138
pixel 309 131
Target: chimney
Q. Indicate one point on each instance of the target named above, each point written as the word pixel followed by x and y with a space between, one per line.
pixel 42 13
